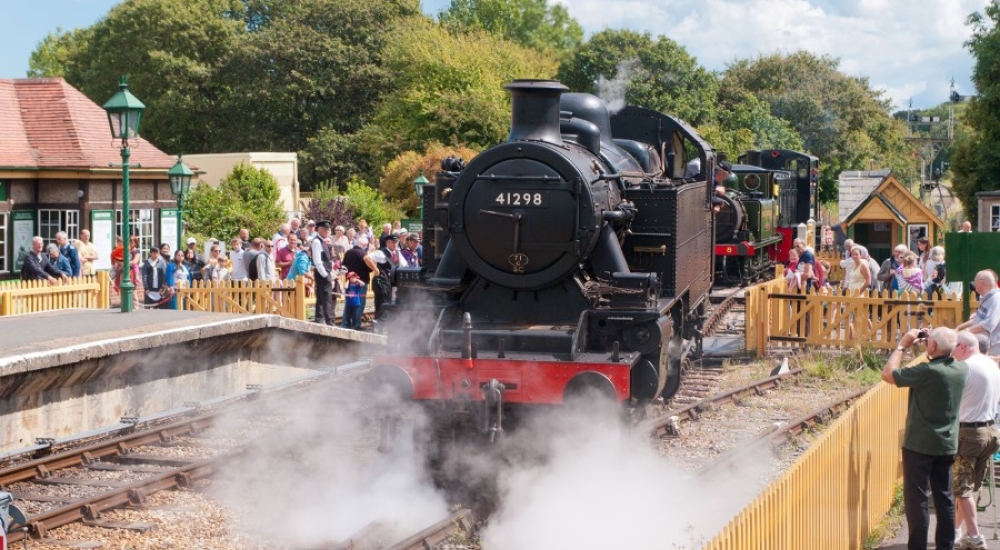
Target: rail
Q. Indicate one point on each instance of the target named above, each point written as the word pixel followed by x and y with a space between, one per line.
pixel 838 491
pixel 90 292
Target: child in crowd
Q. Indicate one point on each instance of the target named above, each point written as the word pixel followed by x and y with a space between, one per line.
pixel 352 302
pixel 909 275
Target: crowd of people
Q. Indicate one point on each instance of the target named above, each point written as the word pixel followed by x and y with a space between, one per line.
pixel 334 261
pixel 951 432
pixel 922 272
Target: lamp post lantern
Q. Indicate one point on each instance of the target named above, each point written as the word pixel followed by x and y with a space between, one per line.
pixel 180 181
pixel 419 183
pixel 124 113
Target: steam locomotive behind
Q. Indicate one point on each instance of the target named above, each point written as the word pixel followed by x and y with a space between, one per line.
pixel 767 195
pixel 573 258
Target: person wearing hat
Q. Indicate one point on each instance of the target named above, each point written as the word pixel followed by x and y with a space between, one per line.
pixel 154 279
pixel 195 261
pixel 387 259
pixel 352 302
pixel 410 253
pixel 323 261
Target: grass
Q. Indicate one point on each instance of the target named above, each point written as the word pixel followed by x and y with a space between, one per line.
pixel 889 524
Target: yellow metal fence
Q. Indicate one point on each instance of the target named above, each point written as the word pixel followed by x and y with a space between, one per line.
pixel 91 292
pixel 835 494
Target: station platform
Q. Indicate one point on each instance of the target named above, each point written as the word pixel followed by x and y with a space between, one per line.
pixel 986 519
pixel 40 340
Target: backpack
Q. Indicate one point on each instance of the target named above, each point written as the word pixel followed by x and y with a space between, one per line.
pixel 250 260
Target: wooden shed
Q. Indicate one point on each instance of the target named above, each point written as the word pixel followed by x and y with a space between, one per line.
pixel 886 216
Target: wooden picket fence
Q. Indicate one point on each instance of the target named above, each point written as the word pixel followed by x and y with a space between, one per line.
pixel 834 257
pixel 91 292
pixel 841 318
pixel 281 297
pixel 837 493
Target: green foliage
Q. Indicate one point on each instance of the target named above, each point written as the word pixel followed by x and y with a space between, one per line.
pixel 839 118
pixel 247 197
pixel 658 74
pixel 531 23
pixel 448 89
pixel 328 204
pixel 370 205
pixel 171 51
pixel 57 52
pixel 977 154
pixel 745 122
pixel 397 177
pixel 333 157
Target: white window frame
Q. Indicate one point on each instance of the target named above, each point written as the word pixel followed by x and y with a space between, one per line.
pixel 141 223
pixel 912 237
pixel 4 242
pixel 52 221
pixel 995 217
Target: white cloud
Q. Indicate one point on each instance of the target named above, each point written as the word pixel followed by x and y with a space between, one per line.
pixel 906 48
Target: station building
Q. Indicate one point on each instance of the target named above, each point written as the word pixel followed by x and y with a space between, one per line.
pixel 879 212
pixel 60 169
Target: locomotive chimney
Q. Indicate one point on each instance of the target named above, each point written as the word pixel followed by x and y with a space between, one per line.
pixel 535 110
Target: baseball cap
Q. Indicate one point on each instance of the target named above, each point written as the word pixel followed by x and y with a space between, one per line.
pixel 192 240
pixel 352 275
pixel 392 237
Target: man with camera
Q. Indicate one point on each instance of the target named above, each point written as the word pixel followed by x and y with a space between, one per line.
pixel 931 437
pixel 977 436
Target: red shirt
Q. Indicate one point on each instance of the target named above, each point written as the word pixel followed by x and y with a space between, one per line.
pixel 284 255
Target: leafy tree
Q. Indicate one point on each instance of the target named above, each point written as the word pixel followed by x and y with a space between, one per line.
pixel 332 157
pixel 57 52
pixel 171 51
pixel 630 68
pixel 327 204
pixel 307 66
pixel 839 118
pixel 438 97
pixel 532 23
pixel 977 154
pixel 398 175
pixel 247 197
pixel 370 205
pixel 745 122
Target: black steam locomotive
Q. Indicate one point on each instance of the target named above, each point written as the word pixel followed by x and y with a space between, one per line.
pixel 767 196
pixel 573 258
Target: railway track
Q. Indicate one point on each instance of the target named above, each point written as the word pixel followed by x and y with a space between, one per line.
pixel 79 483
pixel 735 420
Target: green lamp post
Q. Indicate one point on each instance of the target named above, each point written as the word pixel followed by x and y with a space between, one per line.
pixel 419 183
pixel 124 113
pixel 180 182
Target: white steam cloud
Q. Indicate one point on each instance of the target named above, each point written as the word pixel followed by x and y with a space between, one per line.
pixel 323 477
pixel 600 490
pixel 613 91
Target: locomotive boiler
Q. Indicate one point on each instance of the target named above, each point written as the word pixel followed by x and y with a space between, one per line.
pixel 572 259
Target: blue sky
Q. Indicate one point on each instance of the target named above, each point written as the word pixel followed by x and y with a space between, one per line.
pixel 909 49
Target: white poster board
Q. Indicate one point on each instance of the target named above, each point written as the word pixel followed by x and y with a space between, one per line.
pixel 168 230
pixel 102 234
pixel 24 231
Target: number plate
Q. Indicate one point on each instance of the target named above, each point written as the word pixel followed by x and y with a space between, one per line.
pixel 522 199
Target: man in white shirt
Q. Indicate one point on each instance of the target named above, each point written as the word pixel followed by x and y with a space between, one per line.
pixel 323 263
pixel 977 436
pixel 987 318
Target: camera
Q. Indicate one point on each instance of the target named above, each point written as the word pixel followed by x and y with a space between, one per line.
pixel 922 335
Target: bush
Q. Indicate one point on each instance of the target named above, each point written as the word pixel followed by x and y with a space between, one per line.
pixel 327 204
pixel 370 204
pixel 247 197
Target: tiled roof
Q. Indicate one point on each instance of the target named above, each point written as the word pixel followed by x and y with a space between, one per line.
pixel 855 187
pixel 47 124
